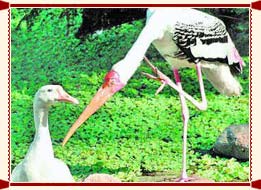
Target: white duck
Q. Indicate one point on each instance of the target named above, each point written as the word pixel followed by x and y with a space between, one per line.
pixel 39 164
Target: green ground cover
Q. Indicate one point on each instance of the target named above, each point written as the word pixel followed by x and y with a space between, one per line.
pixel 135 132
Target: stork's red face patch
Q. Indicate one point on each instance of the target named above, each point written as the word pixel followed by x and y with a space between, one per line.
pixel 112 80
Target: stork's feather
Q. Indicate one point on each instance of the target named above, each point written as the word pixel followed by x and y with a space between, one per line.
pixel 201 36
pixel 186 35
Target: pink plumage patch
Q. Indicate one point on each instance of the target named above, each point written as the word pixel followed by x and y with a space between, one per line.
pixel 237 58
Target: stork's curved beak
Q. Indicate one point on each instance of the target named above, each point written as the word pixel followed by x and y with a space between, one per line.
pixel 111 85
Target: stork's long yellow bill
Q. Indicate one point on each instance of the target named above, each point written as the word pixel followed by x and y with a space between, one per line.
pixel 111 85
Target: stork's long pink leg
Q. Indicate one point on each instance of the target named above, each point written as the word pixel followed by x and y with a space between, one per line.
pixel 185 117
pixel 201 84
pixel 185 111
pixel 166 80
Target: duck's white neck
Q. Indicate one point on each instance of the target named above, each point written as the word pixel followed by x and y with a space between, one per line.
pixel 42 139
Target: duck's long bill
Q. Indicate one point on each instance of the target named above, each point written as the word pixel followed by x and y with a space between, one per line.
pixel 111 85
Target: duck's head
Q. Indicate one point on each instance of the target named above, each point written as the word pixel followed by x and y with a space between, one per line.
pixel 50 94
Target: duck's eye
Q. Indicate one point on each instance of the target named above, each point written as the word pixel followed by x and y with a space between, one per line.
pixel 49 90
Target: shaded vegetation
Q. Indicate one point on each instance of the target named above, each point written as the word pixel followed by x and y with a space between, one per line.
pixel 135 132
pixel 99 19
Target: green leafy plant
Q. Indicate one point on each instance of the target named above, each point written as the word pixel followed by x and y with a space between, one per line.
pixel 135 132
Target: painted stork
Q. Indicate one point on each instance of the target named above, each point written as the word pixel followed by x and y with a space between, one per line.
pixel 39 164
pixel 185 38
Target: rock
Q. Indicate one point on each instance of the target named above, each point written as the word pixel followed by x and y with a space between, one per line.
pixel 101 178
pixel 234 142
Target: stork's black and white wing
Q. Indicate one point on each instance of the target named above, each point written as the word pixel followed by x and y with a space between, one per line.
pixel 186 35
pixel 199 36
pixel 197 39
pixel 206 38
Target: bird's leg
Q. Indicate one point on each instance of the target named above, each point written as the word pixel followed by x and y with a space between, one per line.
pixel 185 116
pixel 166 80
pixel 163 82
pixel 201 84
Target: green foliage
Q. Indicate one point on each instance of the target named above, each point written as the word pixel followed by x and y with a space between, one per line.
pixel 135 132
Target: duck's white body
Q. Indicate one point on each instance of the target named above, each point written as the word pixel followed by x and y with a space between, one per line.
pixel 39 164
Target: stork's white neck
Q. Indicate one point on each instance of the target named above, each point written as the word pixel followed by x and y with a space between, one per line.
pixel 126 67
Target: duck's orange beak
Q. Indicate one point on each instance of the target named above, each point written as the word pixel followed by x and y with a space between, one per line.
pixel 63 96
pixel 111 85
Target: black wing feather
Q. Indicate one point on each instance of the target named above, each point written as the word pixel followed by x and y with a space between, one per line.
pixel 186 35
